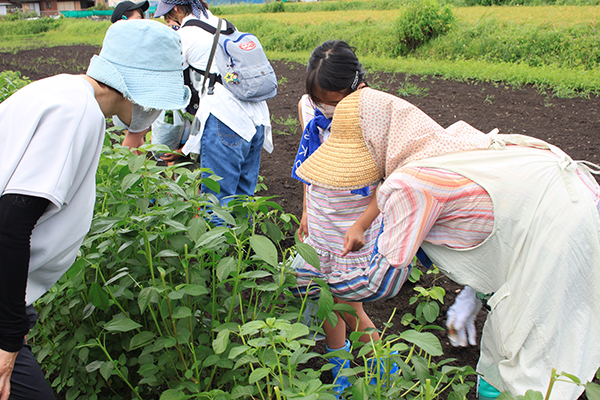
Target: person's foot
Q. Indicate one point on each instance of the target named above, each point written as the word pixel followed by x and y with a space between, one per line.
pixel 383 369
pixel 341 382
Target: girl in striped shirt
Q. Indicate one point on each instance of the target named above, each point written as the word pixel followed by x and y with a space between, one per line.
pixel 333 72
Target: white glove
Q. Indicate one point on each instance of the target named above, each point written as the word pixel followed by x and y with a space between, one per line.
pixel 461 318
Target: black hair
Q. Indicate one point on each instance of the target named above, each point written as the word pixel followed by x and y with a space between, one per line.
pixel 334 67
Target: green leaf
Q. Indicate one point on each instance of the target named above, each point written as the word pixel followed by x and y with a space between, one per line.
pixel 236 351
pixel 135 162
pixel 124 272
pixel 98 296
pixel 146 296
pixel 431 311
pixel 194 290
pixel 212 184
pixel 141 339
pixel 532 395
pixel 225 267
pixel 128 181
pixel 242 391
pixel 182 312
pixel 264 249
pixel 252 327
pixel 245 359
pixel 93 366
pixel 256 274
pixel 88 310
pixel 167 253
pixel 173 394
pixel 177 225
pixel 121 325
pixel 106 369
pixel 273 232
pixel 297 330
pixel 425 340
pixel 309 254
pixel 225 215
pixel 592 391
pixel 571 377
pixel 196 228
pixel 221 342
pixel 360 390
pixel 76 268
pixel 175 188
pixel 258 374
pixel 72 393
pixel 147 370
pixel 506 396
pixel 212 237
pixel 325 304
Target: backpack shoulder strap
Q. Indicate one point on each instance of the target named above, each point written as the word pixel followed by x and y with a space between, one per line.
pixel 209 28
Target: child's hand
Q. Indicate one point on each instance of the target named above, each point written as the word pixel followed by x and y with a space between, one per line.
pixel 303 229
pixel 354 239
pixel 176 155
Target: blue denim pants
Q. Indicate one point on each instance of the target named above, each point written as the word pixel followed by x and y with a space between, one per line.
pixel 230 157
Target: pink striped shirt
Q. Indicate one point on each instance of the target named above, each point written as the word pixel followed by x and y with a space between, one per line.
pixel 434 205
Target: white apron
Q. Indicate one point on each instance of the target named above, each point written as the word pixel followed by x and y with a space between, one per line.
pixel 541 261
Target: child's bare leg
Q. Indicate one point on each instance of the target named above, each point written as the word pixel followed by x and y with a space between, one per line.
pixel 362 323
pixel 335 336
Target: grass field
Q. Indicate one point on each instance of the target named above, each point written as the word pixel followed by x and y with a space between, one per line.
pixel 550 46
pixel 554 16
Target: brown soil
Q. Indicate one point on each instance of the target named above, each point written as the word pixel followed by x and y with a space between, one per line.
pixel 571 124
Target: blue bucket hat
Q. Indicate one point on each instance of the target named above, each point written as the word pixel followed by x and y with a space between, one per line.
pixel 142 60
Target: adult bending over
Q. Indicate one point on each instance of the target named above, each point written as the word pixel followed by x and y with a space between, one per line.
pixel 49 162
pixel 509 215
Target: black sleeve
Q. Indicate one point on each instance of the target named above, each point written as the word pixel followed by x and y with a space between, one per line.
pixel 18 216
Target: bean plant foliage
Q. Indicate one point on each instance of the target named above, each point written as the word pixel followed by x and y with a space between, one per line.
pixel 161 303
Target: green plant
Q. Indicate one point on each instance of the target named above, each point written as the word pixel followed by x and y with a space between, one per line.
pixel 420 23
pixel 140 313
pixel 428 309
pixel 275 7
pixel 290 123
pixel 10 82
pixel 282 81
pixel 592 390
pixel 261 185
pixel 410 89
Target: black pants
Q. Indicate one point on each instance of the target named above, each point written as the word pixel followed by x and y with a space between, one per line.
pixel 27 381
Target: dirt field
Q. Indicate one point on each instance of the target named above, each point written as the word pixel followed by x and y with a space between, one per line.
pixel 572 124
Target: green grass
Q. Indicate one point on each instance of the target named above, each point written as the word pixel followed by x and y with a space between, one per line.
pixel 61 32
pixel 348 5
pixel 483 45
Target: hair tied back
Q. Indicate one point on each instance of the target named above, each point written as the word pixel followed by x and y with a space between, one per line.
pixel 354 85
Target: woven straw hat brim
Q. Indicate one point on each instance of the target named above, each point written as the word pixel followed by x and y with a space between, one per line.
pixel 343 161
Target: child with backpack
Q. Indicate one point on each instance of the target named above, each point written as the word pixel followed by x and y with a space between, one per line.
pixel 333 72
pixel 231 132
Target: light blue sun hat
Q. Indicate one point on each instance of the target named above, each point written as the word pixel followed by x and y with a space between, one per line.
pixel 142 60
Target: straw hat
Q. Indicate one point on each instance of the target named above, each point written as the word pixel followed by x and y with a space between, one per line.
pixel 343 161
pixel 142 60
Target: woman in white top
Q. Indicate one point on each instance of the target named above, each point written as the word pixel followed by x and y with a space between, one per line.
pixel 52 133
